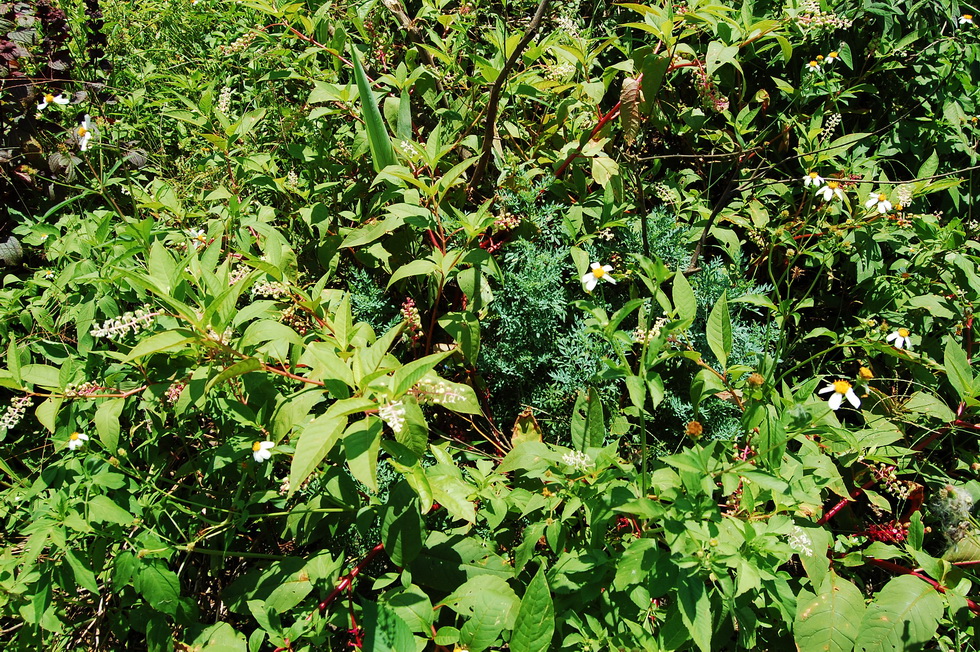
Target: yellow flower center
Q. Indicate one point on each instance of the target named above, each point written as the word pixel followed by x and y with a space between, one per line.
pixel 865 374
pixel 814 175
pixel 819 57
pixel 842 386
pixel 598 272
pixel 903 332
pixel 73 436
pixel 833 185
pixel 82 131
pixel 899 207
pixel 49 98
pixel 882 197
pixel 967 16
pixel 256 447
pixel 812 64
pixel 832 55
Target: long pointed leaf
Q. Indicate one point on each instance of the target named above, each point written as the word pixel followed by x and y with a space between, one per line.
pixel 382 154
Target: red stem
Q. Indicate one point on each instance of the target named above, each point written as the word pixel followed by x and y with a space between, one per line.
pixel 603 121
pixel 902 570
pixel 348 579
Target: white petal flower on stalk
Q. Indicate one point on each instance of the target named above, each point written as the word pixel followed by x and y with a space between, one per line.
pixel 261 452
pixel 76 439
pixel 197 237
pixel 831 58
pixel 52 99
pixel 831 190
pixel 841 389
pixel 813 66
pixel 966 19
pixel 598 273
pixel 812 179
pixel 84 133
pixel 900 339
pixel 880 200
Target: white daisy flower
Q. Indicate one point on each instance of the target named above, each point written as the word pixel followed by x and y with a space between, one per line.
pixel 260 450
pixel 52 99
pixel 966 19
pixel 841 389
pixel 812 179
pixel 76 439
pixel 84 133
pixel 881 199
pixel 831 58
pixel 900 339
pixel 198 237
pixel 831 190
pixel 598 272
pixel 813 66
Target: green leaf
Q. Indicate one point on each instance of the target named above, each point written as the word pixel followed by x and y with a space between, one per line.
pixel 903 616
pixel 402 527
pixel 408 376
pixel 362 440
pixel 220 637
pixel 160 587
pixel 107 423
pixel 842 144
pixel 929 166
pixel 316 442
pixel 165 341
pixel 830 621
pixel 491 607
pixel 101 509
pixel 695 609
pixel 535 624
pixel 384 630
pixel 420 267
pixel 84 576
pixel 240 368
pixel 958 369
pixel 13 360
pixel 382 154
pixel 684 300
pixel 719 331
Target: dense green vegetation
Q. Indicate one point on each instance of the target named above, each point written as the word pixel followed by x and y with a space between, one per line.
pixel 489 325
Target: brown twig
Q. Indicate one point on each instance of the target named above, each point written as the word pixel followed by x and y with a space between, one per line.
pixel 493 104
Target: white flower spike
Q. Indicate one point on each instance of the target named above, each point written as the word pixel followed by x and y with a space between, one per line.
pixel 599 272
pixel 841 389
pixel 966 19
pixel 261 452
pixel 900 339
pixel 76 439
pixel 812 179
pixel 831 190
pixel 52 99
pixel 879 199
pixel 84 132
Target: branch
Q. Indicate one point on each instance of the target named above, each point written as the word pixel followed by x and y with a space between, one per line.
pixel 493 103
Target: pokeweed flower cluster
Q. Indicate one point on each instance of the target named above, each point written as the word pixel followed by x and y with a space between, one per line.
pixel 130 322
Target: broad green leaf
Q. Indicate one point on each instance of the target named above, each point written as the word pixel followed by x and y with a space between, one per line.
pixel 362 441
pixel 535 624
pixel 240 368
pixel 958 369
pixel 904 615
pixel 684 300
pixel 830 621
pixel 420 267
pixel 450 491
pixel 719 331
pixel 407 376
pixel 384 630
pixel 315 443
pixel 159 586
pixel 842 144
pixel 382 154
pixel 695 609
pixel 101 509
pixel 491 607
pixel 220 637
pixel 84 576
pixel 107 423
pixel 401 527
pixel 165 341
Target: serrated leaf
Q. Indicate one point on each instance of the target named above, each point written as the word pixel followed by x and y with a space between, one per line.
pixel 829 622
pixel 535 624
pixel 903 616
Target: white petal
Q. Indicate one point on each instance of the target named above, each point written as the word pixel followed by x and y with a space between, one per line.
pixel 609 279
pixel 852 398
pixel 839 193
pixel 828 388
pixel 596 266
pixel 884 207
pixel 891 336
pixel 826 192
pixel 908 343
pixel 42 106
pixel 871 202
pixel 266 445
pixel 61 99
pixel 590 282
pixel 607 268
pixel 83 436
pixel 835 401
pixel 898 342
